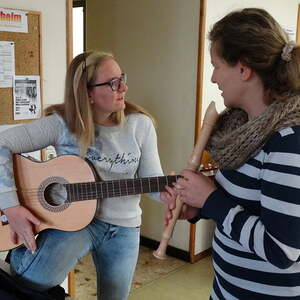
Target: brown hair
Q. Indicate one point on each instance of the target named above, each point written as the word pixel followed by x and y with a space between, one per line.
pixel 253 37
pixel 76 109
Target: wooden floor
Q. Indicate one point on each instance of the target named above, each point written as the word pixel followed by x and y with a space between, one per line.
pixel 154 279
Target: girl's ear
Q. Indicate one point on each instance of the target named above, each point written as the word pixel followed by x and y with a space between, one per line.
pixel 89 92
pixel 245 71
pixel 90 99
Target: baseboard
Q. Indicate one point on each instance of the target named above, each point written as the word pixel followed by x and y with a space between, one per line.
pixel 201 255
pixel 171 251
pixel 175 252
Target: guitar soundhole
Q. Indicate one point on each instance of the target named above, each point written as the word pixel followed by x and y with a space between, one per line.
pixel 55 194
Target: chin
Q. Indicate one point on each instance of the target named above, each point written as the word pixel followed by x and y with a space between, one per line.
pixel 228 103
pixel 120 107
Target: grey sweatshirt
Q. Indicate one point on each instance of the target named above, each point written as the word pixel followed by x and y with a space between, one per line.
pixel 118 152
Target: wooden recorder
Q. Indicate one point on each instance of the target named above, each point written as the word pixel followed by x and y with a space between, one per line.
pixel 193 164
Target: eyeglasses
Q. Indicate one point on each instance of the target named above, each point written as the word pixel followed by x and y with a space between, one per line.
pixel 115 83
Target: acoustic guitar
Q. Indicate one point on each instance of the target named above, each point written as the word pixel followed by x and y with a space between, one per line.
pixel 76 189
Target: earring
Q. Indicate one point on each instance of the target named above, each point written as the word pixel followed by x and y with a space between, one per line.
pixel 91 100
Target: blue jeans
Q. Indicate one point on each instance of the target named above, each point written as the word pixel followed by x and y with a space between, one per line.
pixel 114 250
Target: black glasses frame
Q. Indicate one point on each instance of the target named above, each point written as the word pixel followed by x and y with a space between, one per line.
pixel 122 79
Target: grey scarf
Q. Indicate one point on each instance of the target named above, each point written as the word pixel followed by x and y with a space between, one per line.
pixel 235 139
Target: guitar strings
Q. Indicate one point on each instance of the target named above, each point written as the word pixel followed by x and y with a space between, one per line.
pixel 109 191
pixel 75 195
pixel 106 189
pixel 110 186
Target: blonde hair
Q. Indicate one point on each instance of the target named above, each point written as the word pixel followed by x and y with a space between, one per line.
pixel 76 109
pixel 253 37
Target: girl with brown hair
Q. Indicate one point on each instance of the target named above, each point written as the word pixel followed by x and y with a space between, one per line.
pixel 255 199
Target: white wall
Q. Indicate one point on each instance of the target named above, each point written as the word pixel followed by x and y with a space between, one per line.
pixel 156 44
pixel 53 43
pixel 162 69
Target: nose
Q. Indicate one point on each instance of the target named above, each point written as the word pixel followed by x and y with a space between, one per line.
pixel 213 79
pixel 123 87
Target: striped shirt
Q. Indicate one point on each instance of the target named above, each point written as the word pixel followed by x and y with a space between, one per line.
pixel 256 208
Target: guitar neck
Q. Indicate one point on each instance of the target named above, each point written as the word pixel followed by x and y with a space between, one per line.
pixel 117 188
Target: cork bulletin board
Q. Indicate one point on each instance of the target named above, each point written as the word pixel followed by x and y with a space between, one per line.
pixel 28 61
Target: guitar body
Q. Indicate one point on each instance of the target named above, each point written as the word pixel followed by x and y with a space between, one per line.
pixel 62 192
pixel 35 179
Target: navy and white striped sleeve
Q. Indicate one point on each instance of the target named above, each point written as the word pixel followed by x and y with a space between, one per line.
pixel 273 234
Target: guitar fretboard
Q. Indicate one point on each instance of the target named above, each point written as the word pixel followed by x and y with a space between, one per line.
pixel 117 188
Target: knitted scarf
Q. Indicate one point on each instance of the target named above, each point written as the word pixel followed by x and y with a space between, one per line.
pixel 235 139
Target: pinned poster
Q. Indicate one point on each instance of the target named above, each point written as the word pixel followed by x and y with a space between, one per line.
pixel 27 99
pixel 7 64
pixel 13 20
pixel 20 54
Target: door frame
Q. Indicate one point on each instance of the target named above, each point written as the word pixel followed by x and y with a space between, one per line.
pixel 298 26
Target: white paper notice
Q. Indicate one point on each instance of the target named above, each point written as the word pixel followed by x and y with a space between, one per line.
pixel 27 99
pixel 7 64
pixel 13 20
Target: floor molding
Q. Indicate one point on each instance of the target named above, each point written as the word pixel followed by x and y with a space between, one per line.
pixel 171 251
pixel 201 255
pixel 175 252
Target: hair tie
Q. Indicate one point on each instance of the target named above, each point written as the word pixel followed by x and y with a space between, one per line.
pixel 286 53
